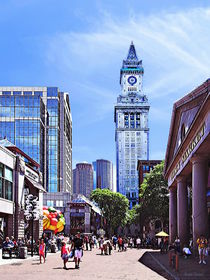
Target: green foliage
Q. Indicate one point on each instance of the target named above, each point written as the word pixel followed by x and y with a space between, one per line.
pixel 154 197
pixel 114 207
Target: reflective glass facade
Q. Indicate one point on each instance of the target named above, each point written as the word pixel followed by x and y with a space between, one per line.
pixel 53 105
pixel 23 122
pixel 38 121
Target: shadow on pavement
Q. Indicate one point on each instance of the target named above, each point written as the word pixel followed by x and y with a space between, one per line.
pixel 189 269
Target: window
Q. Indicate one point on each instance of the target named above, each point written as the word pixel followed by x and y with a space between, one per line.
pixel 8 174
pixel 50 203
pixel 8 190
pixel 59 203
pixel 183 132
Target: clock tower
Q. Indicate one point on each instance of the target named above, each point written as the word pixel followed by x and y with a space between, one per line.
pixel 131 126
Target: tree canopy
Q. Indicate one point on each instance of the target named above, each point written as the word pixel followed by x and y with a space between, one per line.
pixel 154 197
pixel 114 207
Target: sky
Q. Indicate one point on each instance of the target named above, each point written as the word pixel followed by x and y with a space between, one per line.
pixel 79 47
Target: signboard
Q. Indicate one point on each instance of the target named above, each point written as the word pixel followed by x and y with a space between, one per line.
pixel 188 152
pixel 31 174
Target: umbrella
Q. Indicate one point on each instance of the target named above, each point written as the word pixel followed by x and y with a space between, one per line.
pixel 161 234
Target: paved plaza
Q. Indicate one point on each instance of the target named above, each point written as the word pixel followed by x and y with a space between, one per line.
pixel 120 265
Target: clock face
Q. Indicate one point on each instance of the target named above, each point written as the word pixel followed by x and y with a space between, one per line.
pixel 132 80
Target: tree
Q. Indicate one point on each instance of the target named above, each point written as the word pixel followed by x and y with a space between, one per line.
pixel 114 207
pixel 154 196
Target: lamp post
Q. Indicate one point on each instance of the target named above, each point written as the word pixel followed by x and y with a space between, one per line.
pixel 32 214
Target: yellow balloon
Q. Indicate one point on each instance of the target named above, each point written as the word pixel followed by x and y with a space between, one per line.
pixel 61 228
pixel 51 227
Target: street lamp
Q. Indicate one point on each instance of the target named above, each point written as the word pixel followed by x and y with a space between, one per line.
pixel 32 213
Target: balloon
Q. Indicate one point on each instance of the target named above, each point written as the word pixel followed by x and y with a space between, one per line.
pixel 52 227
pixel 60 228
pixel 46 212
pixel 53 219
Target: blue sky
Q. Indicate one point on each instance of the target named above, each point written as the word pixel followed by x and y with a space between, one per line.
pixel 79 47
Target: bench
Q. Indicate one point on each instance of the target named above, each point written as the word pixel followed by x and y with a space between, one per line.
pixel 10 252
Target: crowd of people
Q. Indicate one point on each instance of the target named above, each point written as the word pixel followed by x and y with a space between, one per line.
pixel 73 246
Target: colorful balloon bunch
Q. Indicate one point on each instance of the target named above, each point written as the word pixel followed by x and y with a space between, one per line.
pixel 53 219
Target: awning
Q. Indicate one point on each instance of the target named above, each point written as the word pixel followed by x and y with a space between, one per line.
pixel 34 184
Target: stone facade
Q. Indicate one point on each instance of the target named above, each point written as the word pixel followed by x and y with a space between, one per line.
pixel 131 130
pixel 187 166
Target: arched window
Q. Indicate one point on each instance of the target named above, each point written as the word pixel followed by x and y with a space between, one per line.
pixel 183 132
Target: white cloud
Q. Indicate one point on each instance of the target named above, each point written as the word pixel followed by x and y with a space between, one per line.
pixel 175 47
pixel 175 52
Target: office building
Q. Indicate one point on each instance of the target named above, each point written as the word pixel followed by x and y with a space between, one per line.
pixel 144 167
pixel 131 126
pixel 104 174
pixel 83 179
pixel 38 121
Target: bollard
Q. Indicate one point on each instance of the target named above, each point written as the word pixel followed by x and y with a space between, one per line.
pixel 177 262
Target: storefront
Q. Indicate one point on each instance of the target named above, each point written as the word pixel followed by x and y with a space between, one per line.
pixel 85 217
pixel 19 176
pixel 187 166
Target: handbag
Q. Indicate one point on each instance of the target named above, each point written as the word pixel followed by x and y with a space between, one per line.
pixel 71 254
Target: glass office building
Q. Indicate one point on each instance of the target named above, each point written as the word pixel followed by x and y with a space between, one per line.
pixel 38 121
pixel 23 121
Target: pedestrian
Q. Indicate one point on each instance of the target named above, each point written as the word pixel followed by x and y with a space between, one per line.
pixel 114 240
pixel 110 247
pixel 120 242
pixel 64 254
pixel 46 242
pixel 186 251
pixel 177 244
pixel 125 244
pixel 41 250
pixel 77 245
pixel 138 242
pixel 101 245
pixel 8 245
pixel 202 248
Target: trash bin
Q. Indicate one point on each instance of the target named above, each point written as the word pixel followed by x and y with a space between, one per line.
pixel 53 248
pixel 23 252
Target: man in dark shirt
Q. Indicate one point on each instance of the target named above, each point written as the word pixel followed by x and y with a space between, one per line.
pixel 8 245
pixel 77 245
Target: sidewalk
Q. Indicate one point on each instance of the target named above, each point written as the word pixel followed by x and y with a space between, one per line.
pixel 189 269
pixel 17 260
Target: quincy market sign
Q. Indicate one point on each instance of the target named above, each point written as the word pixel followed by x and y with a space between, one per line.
pixel 186 155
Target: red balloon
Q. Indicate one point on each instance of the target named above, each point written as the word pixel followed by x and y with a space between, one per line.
pixel 45 208
pixel 53 221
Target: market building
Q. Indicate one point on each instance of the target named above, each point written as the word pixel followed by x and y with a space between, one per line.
pixel 85 216
pixel 20 176
pixel 187 166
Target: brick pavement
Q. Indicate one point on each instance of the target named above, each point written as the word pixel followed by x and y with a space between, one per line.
pixel 189 269
pixel 120 265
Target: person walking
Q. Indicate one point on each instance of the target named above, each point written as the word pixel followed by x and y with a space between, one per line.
pixel 202 246
pixel 177 244
pixel 77 245
pixel 46 242
pixel 64 254
pixel 138 242
pixel 41 250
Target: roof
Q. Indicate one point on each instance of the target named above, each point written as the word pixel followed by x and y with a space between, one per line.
pixel 204 88
pixel 132 61
pixel 10 146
